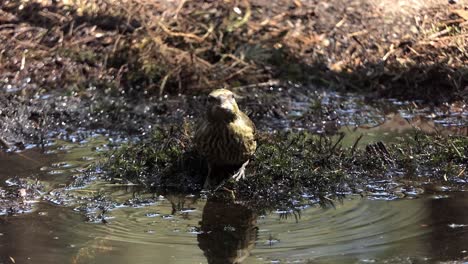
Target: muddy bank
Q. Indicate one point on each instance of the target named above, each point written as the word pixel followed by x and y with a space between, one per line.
pixel 129 65
pixel 28 121
pixel 68 68
pixel 290 170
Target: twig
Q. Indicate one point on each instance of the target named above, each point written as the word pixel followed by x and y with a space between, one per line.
pixel 356 143
pixel 179 8
pixel 234 58
pixel 244 19
pixel 30 45
pixel 8 25
pixel 258 85
pixel 413 50
pixel 52 16
pixel 390 52
pixel 335 145
pixel 4 144
pixel 341 22
pixel 237 73
pixel 185 35
pixel 440 33
pixel 443 38
pixel 358 33
pixel 164 80
pixel 456 150
pixel 84 40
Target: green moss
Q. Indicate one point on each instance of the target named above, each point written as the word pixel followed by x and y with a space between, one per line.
pixel 290 169
pixel 162 162
pixel 444 158
pixel 82 55
pixel 287 168
pixel 293 168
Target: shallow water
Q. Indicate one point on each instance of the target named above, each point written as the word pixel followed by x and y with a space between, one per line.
pixel 80 224
pixel 189 229
pixel 427 229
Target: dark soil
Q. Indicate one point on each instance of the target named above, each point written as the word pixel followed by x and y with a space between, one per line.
pixel 103 64
pixel 129 66
pixel 409 49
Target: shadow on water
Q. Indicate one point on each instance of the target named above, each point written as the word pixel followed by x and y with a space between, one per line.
pixel 449 236
pixel 23 164
pixel 228 232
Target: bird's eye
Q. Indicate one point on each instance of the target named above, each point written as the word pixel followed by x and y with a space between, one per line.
pixel 211 99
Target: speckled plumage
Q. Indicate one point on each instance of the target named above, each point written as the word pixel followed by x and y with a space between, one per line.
pixel 227 143
pixel 225 136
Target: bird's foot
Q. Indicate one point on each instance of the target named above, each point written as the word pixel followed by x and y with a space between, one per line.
pixel 240 174
pixel 221 187
pixel 207 185
pixel 231 192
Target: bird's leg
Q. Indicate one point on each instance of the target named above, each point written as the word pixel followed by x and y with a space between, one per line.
pixel 231 192
pixel 240 174
pixel 221 186
pixel 207 184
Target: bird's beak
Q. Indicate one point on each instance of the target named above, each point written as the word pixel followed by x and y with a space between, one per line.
pixel 238 97
pixel 227 106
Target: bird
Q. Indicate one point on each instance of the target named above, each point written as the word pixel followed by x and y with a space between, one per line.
pixel 225 137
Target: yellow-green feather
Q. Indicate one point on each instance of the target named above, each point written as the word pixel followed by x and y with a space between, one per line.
pixel 229 143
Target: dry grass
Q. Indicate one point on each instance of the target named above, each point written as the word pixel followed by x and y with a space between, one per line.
pixel 400 49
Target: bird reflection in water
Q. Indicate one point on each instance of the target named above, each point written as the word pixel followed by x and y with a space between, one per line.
pixel 228 231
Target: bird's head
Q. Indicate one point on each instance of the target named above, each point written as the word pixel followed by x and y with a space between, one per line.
pixel 222 106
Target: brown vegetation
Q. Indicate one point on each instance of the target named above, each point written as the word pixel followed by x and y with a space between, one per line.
pixel 407 48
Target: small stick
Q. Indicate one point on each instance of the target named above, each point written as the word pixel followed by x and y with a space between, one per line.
pixel 258 85
pixel 4 144
pixel 356 143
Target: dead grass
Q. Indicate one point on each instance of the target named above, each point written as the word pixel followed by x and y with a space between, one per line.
pixel 411 48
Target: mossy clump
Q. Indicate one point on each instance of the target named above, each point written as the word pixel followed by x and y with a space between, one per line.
pixel 288 168
pixel 165 161
pixel 439 157
pixel 292 169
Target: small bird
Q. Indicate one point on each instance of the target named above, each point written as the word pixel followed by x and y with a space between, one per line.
pixel 225 137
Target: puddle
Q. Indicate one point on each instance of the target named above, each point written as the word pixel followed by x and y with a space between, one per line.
pixel 359 230
pixel 56 164
pixel 363 230
pixel 100 223
pixel 394 128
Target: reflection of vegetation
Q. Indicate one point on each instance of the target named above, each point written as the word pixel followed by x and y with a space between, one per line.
pixel 290 168
pixel 94 248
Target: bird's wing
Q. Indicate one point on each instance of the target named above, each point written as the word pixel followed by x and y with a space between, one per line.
pixel 250 123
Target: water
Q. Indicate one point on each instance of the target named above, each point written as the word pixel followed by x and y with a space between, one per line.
pixel 431 228
pixel 362 230
pixel 101 223
pixel 181 229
